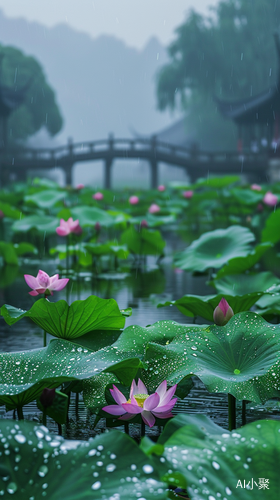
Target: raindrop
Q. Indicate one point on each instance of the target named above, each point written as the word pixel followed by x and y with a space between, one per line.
pixel 148 469
pixel 110 467
pixel 20 438
pixel 216 465
pixel 43 470
pixel 11 488
pixel 96 486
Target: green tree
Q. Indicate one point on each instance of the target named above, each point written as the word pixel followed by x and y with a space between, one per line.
pixel 229 54
pixel 39 107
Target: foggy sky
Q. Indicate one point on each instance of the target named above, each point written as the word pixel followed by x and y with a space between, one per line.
pixel 133 21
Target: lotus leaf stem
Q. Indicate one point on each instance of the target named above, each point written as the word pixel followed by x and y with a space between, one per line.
pixel 231 412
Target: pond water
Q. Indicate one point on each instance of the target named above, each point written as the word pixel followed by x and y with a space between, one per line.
pixel 140 288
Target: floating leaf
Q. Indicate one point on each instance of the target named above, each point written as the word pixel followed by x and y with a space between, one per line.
pixel 271 231
pixel 64 321
pixel 241 358
pixel 246 283
pixel 215 248
pixel 88 216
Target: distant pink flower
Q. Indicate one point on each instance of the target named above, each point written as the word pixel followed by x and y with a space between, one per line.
pixel 2 215
pixel 222 313
pixel 69 226
pixel 157 405
pixel 97 226
pixel 187 194
pixel 144 223
pixel 161 187
pixel 133 200
pixel 43 283
pixel 256 187
pixel 154 208
pixel 80 186
pixel 98 196
pixel 270 199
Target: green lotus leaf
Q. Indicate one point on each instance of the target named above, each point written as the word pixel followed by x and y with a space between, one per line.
pixel 215 248
pixel 216 463
pixel 271 231
pixel 88 216
pixel 133 342
pixel 11 212
pixel 42 223
pixel 240 358
pixel 143 242
pixel 216 182
pixel 24 248
pixel 25 374
pixel 8 253
pixel 110 466
pixel 45 199
pixel 64 321
pixel 246 283
pixel 246 196
pixel 8 275
pixel 240 264
pixel 198 305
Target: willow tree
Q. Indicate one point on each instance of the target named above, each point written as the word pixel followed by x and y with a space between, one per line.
pixel 229 54
pixel 39 108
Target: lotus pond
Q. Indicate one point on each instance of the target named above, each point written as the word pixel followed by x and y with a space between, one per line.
pixel 140 342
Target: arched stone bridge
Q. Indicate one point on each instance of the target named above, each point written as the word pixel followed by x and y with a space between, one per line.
pixel 196 163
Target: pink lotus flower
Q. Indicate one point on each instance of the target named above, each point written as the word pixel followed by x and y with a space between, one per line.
pixel 188 194
pixel 133 200
pixel 256 187
pixel 43 283
pixel 222 313
pixel 69 226
pixel 157 405
pixel 80 186
pixel 98 196
pixel 161 188
pixel 270 199
pixel 154 208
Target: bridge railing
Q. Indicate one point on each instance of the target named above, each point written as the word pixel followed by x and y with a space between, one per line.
pixel 87 148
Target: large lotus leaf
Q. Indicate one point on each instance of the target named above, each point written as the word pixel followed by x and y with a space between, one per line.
pixel 8 275
pixel 198 305
pixel 246 283
pixel 45 199
pixel 271 231
pixel 24 248
pixel 40 465
pixel 143 242
pixel 240 264
pixel 8 253
pixel 64 321
pixel 215 248
pixel 88 216
pixel 241 358
pixel 9 211
pixel 219 464
pixel 42 223
pixel 43 182
pixel 216 182
pixel 133 342
pixel 108 248
pixel 246 196
pixel 24 374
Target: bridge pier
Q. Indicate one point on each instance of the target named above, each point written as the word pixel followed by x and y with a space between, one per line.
pixel 154 173
pixel 107 176
pixel 68 175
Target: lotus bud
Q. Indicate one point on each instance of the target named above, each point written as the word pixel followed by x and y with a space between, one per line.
pixel 144 223
pixel 47 397
pixel 97 226
pixel 222 313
